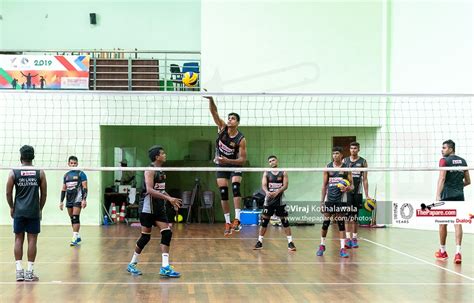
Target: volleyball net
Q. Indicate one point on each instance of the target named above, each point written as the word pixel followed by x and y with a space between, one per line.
pixel 400 135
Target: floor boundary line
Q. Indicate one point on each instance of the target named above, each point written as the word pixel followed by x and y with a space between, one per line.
pixel 419 259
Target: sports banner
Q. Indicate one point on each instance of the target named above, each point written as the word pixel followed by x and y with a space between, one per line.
pixel 44 72
pixel 415 214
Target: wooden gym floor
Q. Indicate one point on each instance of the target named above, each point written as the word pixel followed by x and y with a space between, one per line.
pixel 391 265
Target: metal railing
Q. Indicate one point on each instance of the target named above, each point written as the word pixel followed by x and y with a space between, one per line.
pixel 132 69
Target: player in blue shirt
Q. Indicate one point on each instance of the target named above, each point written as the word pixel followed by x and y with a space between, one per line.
pixel 75 191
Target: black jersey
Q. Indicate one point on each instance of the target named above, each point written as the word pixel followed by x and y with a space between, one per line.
pixel 334 194
pixel 148 204
pixel 227 146
pixel 27 184
pixel 73 180
pixel 357 176
pixel 454 182
pixel 274 183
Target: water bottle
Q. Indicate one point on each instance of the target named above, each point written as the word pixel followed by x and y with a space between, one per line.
pixel 106 220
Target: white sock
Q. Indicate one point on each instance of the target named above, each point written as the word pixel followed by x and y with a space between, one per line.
pixel 227 218
pixel 323 241
pixel 75 235
pixel 442 248
pixel 343 242
pixel 354 235
pixel 458 249
pixel 237 213
pixel 348 235
pixel 135 258
pixel 164 259
pixel 290 239
pixel 30 266
pixel 260 238
pixel 18 265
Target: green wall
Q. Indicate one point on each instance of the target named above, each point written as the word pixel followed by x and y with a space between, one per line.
pixel 295 147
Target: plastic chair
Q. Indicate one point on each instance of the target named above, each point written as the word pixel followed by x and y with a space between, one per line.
pixel 176 76
pixel 191 67
pixel 208 205
pixel 187 198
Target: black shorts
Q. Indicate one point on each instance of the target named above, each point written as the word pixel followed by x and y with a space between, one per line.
pixel 228 174
pixel 29 225
pixel 159 214
pixel 277 209
pixel 71 204
pixel 355 201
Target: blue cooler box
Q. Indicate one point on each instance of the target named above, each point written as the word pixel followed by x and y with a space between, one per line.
pixel 250 217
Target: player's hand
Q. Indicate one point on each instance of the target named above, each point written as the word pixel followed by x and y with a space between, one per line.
pixel 207 97
pixel 175 202
pixel 11 212
pixel 222 160
pixel 84 203
pixel 271 195
pixel 61 205
pixel 438 198
pixel 368 198
pixel 345 189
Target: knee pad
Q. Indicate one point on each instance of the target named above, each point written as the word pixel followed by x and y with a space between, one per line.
pixel 144 239
pixel 224 193
pixel 326 224
pixel 166 235
pixel 236 189
pixel 341 225
pixel 75 219
pixel 265 222
pixel 285 222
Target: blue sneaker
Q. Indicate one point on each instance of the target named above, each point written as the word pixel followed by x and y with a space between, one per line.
pixel 354 243
pixel 74 242
pixel 169 272
pixel 78 240
pixel 343 253
pixel 321 250
pixel 348 244
pixel 132 268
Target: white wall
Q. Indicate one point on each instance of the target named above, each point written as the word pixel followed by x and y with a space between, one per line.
pixel 432 51
pixel 292 46
pixel 2 12
pixel 143 24
pixel 432 46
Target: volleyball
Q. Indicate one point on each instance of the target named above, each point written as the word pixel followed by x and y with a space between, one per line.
pixel 190 79
pixel 343 183
pixel 370 204
pixel 178 218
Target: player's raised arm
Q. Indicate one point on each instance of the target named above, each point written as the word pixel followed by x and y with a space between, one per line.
pixel 215 114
